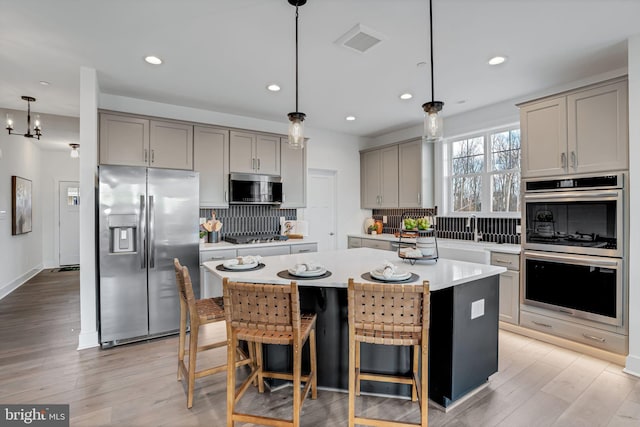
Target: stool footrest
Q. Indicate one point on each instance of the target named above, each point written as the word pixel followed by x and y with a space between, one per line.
pixel 385 378
pixel 375 422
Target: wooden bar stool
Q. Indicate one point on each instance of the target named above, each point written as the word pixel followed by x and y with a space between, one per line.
pixel 389 314
pixel 268 314
pixel 199 312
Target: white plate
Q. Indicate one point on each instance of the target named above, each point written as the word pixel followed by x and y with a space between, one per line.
pixel 309 273
pixel 239 266
pixel 397 276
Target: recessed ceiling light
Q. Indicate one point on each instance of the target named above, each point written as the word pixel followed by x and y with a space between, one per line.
pixel 350 118
pixel 462 101
pixel 44 83
pixel 497 60
pixel 153 60
pixel 406 95
pixel 273 87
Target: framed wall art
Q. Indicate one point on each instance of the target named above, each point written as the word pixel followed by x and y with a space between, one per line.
pixel 20 205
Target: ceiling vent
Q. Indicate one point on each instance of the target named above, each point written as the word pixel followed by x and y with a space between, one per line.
pixel 360 38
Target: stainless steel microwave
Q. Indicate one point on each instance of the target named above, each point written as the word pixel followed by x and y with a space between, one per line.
pixel 250 189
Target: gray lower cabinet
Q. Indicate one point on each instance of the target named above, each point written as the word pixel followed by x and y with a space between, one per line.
pixel 211 160
pixel 377 244
pixel 509 286
pixel 354 242
pixel 266 250
pixel 304 248
pixel 211 285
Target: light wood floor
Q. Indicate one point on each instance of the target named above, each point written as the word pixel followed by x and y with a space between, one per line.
pixel 538 384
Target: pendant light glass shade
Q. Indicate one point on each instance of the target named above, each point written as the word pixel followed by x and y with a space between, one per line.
pixel 432 121
pixel 74 151
pixel 296 130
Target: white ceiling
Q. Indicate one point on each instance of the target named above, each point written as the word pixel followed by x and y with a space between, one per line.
pixel 220 54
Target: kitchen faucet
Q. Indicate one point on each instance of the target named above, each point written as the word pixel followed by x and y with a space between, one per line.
pixel 477 236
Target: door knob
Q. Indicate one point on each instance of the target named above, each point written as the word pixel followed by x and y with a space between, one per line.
pixel 330 234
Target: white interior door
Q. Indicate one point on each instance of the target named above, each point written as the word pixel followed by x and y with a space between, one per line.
pixel 321 208
pixel 69 223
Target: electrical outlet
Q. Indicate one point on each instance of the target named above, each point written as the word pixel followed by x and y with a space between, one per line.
pixel 518 229
pixel 384 219
pixel 477 309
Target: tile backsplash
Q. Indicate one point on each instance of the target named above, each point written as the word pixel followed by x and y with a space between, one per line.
pixel 244 220
pixel 499 230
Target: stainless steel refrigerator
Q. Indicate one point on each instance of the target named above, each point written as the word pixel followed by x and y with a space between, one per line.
pixel 146 218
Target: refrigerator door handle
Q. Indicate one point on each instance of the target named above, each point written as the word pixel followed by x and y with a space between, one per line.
pixel 142 235
pixel 152 234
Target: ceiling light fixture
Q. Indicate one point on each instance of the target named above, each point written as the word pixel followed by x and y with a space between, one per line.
pixel 432 121
pixel 273 87
pixel 406 96
pixel 37 129
pixel 350 118
pixel 44 83
pixel 296 118
pixel 153 60
pixel 74 151
pixel 497 60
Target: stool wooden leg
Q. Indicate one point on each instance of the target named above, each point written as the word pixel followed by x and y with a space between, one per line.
pixel 314 364
pixel 297 369
pixel 424 386
pixel 258 363
pixel 183 335
pixel 352 379
pixel 252 356
pixel 231 375
pixel 357 367
pixel 193 350
pixel 416 361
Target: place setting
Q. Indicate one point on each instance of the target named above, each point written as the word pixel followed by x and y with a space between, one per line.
pixel 305 271
pixel 242 263
pixel 389 273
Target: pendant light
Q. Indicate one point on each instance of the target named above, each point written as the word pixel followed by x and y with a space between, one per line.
pixel 432 121
pixel 37 127
pixel 296 118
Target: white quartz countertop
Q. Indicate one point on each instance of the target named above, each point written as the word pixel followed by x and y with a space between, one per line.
pixel 452 243
pixel 351 263
pixel 226 245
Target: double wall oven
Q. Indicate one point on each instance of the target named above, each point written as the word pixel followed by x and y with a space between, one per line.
pixel 573 246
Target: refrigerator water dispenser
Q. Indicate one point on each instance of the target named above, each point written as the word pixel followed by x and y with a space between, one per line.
pixel 122 233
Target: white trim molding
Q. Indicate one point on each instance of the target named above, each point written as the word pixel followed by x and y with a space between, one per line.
pixel 21 280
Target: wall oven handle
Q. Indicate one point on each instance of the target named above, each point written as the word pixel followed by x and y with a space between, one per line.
pixel 594 338
pixel 583 195
pixel 573 259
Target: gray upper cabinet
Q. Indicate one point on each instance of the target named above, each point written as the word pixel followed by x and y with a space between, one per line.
pixel 171 145
pixel 379 178
pixel 294 176
pixel 415 187
pixel 254 153
pixel 211 160
pixel 124 140
pixel 582 131
pixel 135 141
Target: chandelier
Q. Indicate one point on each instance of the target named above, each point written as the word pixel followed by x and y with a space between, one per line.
pixel 37 130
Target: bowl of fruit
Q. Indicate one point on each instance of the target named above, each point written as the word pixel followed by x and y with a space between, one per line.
pixel 423 223
pixel 410 224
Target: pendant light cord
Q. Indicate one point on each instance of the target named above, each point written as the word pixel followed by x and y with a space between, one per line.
pixel 431 50
pixel 297 58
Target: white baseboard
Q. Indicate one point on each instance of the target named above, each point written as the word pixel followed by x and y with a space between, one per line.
pixel 88 339
pixel 633 365
pixel 21 280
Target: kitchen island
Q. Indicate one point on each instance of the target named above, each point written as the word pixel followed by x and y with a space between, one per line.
pixel 463 336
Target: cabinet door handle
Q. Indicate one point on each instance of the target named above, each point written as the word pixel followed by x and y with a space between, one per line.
pixel 258 164
pixel 419 198
pixel 502 261
pixel 226 196
pixel 253 164
pixel 146 155
pixel 541 324
pixel 304 250
pixel 574 160
pixel 284 197
pixel 153 156
pixel 563 159
pixel 594 338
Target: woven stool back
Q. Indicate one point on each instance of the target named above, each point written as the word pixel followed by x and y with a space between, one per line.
pixel 388 313
pixel 185 287
pixel 262 306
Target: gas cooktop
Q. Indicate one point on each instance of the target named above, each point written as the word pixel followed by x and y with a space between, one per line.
pixel 258 238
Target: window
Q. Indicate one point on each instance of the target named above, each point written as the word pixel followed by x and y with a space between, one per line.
pixel 484 173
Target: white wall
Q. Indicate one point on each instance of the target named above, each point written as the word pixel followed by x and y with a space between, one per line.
pixel 20 256
pixel 633 360
pixel 56 166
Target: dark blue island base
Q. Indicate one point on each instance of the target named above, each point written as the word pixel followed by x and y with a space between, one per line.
pixel 463 352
